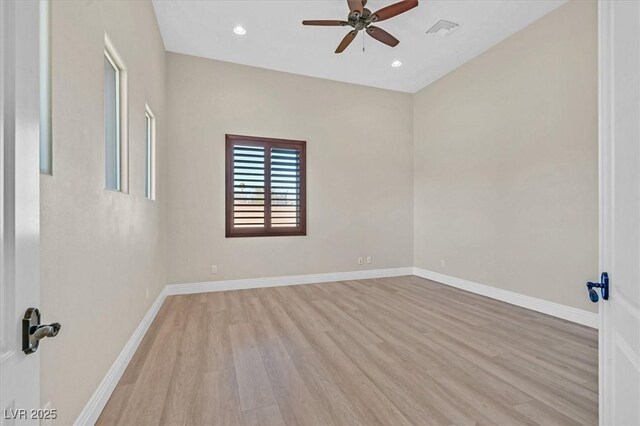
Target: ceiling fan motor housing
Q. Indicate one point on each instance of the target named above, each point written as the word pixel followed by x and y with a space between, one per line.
pixel 360 22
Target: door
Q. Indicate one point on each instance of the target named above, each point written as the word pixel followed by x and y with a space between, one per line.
pixel 620 211
pixel 19 206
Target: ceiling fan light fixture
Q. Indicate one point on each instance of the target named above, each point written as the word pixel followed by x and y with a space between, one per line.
pixel 396 63
pixel 239 30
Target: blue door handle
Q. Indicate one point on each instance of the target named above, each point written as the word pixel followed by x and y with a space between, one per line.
pixel 603 285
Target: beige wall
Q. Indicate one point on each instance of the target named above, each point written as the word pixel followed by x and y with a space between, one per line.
pixel 100 250
pixel 359 171
pixel 506 163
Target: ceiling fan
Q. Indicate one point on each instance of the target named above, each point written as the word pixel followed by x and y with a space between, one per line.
pixel 361 18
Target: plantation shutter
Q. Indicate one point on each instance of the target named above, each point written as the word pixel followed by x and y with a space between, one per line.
pixel 265 187
pixel 248 186
pixel 285 187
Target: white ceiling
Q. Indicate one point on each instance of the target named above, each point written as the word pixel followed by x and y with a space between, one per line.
pixel 277 40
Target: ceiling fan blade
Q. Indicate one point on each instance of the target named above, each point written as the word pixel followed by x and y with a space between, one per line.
pixel 325 23
pixel 382 36
pixel 394 9
pixel 346 41
pixel 355 6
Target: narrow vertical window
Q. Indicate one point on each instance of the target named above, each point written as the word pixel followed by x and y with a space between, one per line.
pixel 150 153
pixel 112 123
pixel 46 161
pixel 115 120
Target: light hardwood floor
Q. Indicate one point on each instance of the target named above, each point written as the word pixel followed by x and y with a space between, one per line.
pixel 383 351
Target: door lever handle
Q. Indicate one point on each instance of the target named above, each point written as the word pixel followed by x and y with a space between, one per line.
pixel 33 331
pixel 603 285
pixel 42 331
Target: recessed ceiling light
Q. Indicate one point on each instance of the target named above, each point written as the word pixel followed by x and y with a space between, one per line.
pixel 396 64
pixel 239 30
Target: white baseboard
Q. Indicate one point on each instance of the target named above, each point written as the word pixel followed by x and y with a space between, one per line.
pixel 205 287
pixel 100 397
pixel 590 319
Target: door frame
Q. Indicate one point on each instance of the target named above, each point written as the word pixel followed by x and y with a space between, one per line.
pixel 604 158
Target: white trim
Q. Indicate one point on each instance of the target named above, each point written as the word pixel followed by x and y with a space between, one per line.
pixel 100 397
pixel 605 194
pixel 590 319
pixel 205 287
pixel 150 154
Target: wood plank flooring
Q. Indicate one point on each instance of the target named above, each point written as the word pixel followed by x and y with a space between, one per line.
pixel 390 351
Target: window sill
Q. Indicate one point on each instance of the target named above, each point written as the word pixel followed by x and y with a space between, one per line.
pixel 262 234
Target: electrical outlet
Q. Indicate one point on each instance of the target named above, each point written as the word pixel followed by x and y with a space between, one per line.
pixel 442 263
pixel 214 269
pixel 147 294
pixel 360 261
pixel 368 259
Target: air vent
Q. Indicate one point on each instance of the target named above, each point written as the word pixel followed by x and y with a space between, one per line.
pixel 443 28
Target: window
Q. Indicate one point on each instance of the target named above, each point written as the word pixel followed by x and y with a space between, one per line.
pixel 266 187
pixel 46 160
pixel 150 155
pixel 112 123
pixel 115 120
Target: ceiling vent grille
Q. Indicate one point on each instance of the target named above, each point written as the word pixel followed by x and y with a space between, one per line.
pixel 443 28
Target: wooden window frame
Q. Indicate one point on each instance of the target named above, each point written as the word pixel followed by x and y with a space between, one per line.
pixel 267 230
